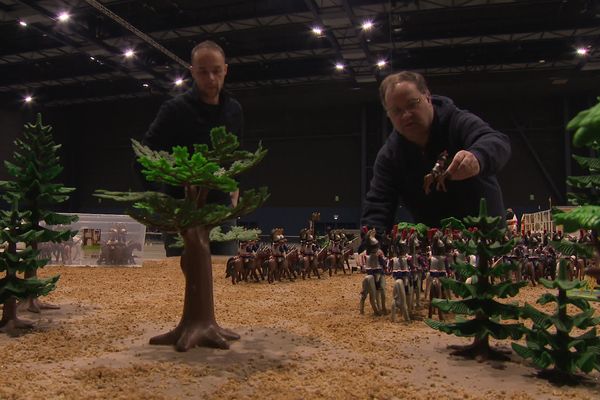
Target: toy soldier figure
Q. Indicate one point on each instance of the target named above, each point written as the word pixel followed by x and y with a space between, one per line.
pixel 437 174
pixel 374 281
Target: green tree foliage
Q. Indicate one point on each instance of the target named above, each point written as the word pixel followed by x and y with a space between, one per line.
pixel 34 168
pixel 556 347
pixel 203 170
pixel 549 341
pixel 586 195
pixel 14 230
pixel 477 298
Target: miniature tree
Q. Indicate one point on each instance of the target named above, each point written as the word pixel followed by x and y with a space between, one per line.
pixel 478 296
pixel 586 125
pixel 238 233
pixel 567 353
pixel 34 168
pixel 193 218
pixel 13 230
pixel 557 347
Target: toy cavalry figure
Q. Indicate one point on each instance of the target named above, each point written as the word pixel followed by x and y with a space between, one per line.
pixel 242 265
pixel 437 175
pixel 374 281
pixel 278 265
pixel 437 269
pixel 117 250
pixel 335 258
pixel 308 258
pixel 406 286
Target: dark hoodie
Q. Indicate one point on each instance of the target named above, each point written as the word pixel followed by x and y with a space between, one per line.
pixel 401 166
pixel 186 120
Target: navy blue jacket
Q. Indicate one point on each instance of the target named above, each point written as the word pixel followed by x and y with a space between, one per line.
pixel 186 120
pixel 401 165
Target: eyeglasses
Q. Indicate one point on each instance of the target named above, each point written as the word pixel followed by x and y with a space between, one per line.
pixel 410 106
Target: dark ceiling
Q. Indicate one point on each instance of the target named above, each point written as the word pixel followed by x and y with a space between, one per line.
pixel 269 43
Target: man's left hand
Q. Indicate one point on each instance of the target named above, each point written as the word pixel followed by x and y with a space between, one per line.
pixel 464 165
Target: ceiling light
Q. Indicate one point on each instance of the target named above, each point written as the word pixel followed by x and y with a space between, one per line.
pixel 542 61
pixel 178 82
pixel 381 63
pixel 22 23
pixel 145 85
pixel 582 51
pixel 64 16
pixel 317 31
pixel 28 99
pixel 367 25
pixel 92 58
pixel 129 53
pixel 339 66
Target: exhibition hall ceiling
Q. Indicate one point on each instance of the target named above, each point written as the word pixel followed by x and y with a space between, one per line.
pixel 68 52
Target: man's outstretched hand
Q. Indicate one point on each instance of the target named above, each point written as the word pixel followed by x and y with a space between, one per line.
pixel 464 165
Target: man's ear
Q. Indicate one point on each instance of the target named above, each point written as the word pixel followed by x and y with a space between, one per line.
pixel 428 96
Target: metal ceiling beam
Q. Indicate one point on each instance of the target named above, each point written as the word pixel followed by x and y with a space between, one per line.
pixel 332 39
pixel 116 18
pixel 79 32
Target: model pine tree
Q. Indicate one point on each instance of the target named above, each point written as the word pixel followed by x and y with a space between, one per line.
pixel 207 168
pixel 586 126
pixel 478 297
pixel 13 230
pixel 547 347
pixel 549 342
pixel 34 168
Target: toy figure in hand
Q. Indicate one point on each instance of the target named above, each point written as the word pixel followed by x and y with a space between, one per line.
pixel 438 174
pixel 374 282
pixel 193 217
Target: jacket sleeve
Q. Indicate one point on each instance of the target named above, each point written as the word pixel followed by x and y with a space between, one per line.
pixel 382 198
pixel 159 134
pixel 490 147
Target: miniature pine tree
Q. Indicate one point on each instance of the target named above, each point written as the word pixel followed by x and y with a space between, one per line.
pixel 34 169
pixel 478 296
pixel 557 347
pixel 193 218
pixel 586 125
pixel 13 230
pixel 566 353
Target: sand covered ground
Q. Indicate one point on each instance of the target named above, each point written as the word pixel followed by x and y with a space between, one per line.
pixel 300 340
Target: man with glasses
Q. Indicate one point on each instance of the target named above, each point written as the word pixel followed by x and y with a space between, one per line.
pixel 187 119
pixel 426 126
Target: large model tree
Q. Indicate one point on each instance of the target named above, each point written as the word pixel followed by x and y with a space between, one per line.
pixel 586 126
pixel 193 217
pixel 555 346
pixel 549 342
pixel 13 230
pixel 34 169
pixel 478 296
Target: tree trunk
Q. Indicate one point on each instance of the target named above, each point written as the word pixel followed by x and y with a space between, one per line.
pixel 34 304
pixel 479 350
pixel 197 326
pixel 9 319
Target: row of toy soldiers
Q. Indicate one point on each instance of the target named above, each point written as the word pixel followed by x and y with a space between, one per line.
pixel 310 257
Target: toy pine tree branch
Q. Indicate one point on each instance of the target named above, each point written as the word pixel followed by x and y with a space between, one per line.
pixel 181 169
pixel 173 215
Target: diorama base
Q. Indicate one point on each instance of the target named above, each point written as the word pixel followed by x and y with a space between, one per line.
pixel 298 340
